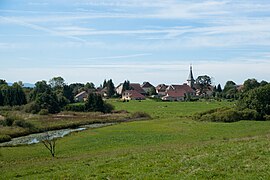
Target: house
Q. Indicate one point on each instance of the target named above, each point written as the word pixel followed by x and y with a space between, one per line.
pixel 132 95
pixel 133 86
pixel 119 89
pixel 147 87
pixel 178 93
pixel 137 87
pixel 161 89
pixel 186 88
pixel 174 95
pixel 82 96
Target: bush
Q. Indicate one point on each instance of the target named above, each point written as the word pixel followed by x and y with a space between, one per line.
pixel 43 112
pixel 32 108
pixel 266 117
pixel 136 115
pixel 108 108
pixel 7 122
pixel 4 138
pixel 77 107
pixel 227 115
pixel 23 124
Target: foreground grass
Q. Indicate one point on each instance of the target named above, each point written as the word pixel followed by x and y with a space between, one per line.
pixel 171 146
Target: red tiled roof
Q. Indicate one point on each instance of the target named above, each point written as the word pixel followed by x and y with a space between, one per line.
pixel 184 87
pixel 177 93
pixel 137 87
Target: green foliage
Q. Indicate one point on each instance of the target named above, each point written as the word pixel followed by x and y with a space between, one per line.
pixel 203 82
pixel 49 101
pixel 7 121
pixel 257 99
pixel 227 115
pixel 40 87
pixel 57 82
pixel 4 138
pixel 110 88
pixel 23 124
pixel 229 86
pixel 126 85
pixel 12 95
pixel 77 107
pixel 250 84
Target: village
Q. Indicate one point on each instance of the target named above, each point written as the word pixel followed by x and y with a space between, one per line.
pixel 136 91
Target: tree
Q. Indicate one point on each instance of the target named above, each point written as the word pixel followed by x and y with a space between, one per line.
pixel 110 88
pixel 263 83
pixel 49 143
pixel 40 87
pixel 43 97
pixel 89 85
pixel 228 86
pixel 257 99
pixel 250 84
pixel 48 100
pixel 19 95
pixel 12 95
pixel 126 85
pixel 57 82
pixel 67 93
pixel 3 82
pixel 219 88
pixel 95 103
pixel 104 84
pixel 204 82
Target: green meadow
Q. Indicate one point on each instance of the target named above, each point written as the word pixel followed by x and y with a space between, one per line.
pixel 170 145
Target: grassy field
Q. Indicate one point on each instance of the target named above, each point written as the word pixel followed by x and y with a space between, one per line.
pixel 169 146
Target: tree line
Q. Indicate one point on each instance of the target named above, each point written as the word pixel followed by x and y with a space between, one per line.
pixel 53 96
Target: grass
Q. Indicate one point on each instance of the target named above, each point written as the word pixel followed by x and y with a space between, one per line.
pixel 170 146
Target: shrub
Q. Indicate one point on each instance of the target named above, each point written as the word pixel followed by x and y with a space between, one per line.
pixel 136 115
pixel 43 112
pixel 7 122
pixel 266 117
pixel 77 107
pixel 23 124
pixel 32 108
pixel 108 108
pixel 4 138
pixel 227 115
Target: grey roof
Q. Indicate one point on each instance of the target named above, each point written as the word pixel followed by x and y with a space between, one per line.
pixel 190 76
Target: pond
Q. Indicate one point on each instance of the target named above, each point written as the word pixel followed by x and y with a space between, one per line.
pixel 38 137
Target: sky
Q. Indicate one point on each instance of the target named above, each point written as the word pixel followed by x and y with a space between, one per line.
pixel 136 40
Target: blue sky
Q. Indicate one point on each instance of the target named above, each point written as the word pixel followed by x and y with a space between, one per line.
pixel 139 40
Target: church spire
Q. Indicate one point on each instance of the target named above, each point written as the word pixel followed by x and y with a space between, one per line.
pixel 190 79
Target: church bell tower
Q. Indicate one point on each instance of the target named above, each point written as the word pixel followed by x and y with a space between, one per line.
pixel 190 80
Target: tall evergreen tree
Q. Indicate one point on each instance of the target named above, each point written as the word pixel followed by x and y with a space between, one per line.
pixel 126 85
pixel 104 83
pixel 110 88
pixel 219 88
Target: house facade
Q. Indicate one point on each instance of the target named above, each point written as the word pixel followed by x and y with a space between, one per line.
pixel 147 87
pixel 132 95
pixel 82 96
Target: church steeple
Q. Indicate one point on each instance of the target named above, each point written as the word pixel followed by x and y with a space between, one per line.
pixel 190 79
